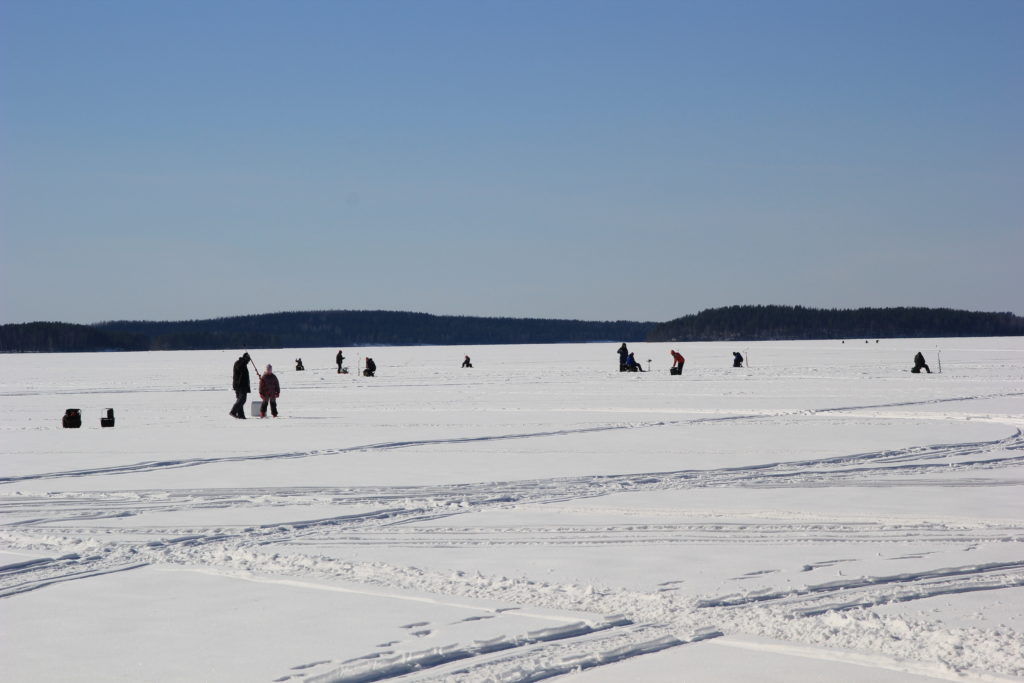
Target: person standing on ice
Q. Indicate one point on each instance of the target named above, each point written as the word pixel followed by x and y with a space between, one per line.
pixel 919 363
pixel 270 389
pixel 339 359
pixel 240 383
pixel 623 357
pixel 677 362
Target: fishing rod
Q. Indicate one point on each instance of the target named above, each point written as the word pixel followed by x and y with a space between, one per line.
pixel 254 366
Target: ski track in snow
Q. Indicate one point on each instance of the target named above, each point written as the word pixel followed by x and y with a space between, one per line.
pixel 623 624
pixel 194 462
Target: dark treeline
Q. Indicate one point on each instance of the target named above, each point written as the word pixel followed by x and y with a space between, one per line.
pixel 67 337
pixel 755 323
pixel 370 328
pixel 312 329
pixel 384 328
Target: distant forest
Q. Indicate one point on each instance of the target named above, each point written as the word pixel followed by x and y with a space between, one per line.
pixel 390 328
pixel 312 329
pixel 758 323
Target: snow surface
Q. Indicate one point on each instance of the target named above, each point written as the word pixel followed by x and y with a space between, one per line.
pixel 822 514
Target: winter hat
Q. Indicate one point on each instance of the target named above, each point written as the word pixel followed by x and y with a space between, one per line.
pixel 270 368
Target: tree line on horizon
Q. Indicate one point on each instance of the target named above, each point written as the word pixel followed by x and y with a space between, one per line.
pixel 763 323
pixel 311 329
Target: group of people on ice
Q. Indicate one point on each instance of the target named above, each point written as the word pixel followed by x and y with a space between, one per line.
pixel 628 362
pixel 270 387
pixel 369 369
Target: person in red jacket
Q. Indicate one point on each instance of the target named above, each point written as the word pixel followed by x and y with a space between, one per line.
pixel 270 389
pixel 677 361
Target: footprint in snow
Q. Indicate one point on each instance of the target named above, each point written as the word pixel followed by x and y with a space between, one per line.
pixel 762 572
pixel 486 616
pixel 825 563
pixel 300 667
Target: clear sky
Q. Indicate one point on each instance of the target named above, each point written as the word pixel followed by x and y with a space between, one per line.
pixel 642 160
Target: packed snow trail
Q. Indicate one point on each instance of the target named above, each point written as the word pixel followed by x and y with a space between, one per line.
pixel 662 619
pixel 193 462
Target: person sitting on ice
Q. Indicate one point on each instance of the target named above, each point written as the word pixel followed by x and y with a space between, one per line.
pixel 737 359
pixel 299 365
pixel 371 367
pixel 919 363
pixel 466 363
pixel 632 365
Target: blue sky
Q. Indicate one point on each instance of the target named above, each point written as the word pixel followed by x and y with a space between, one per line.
pixel 569 159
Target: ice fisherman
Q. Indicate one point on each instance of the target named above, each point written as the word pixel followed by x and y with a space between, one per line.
pixel 632 365
pixel 677 362
pixel 240 383
pixel 919 363
pixel 623 357
pixel 339 359
pixel 737 359
pixel 371 367
pixel 270 389
pixel 467 363
pixel 298 365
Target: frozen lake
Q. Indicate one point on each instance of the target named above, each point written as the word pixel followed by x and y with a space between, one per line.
pixel 820 514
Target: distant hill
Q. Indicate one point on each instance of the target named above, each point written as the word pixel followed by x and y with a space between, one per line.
pixel 755 323
pixel 393 328
pixel 66 337
pixel 312 329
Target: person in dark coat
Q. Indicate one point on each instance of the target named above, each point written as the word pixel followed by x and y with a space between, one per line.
pixel 240 383
pixel 371 367
pixel 632 365
pixel 270 389
pixel 298 365
pixel 919 363
pixel 339 359
pixel 737 359
pixel 623 356
pixel 466 363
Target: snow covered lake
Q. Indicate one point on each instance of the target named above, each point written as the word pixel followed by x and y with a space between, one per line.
pixel 822 514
